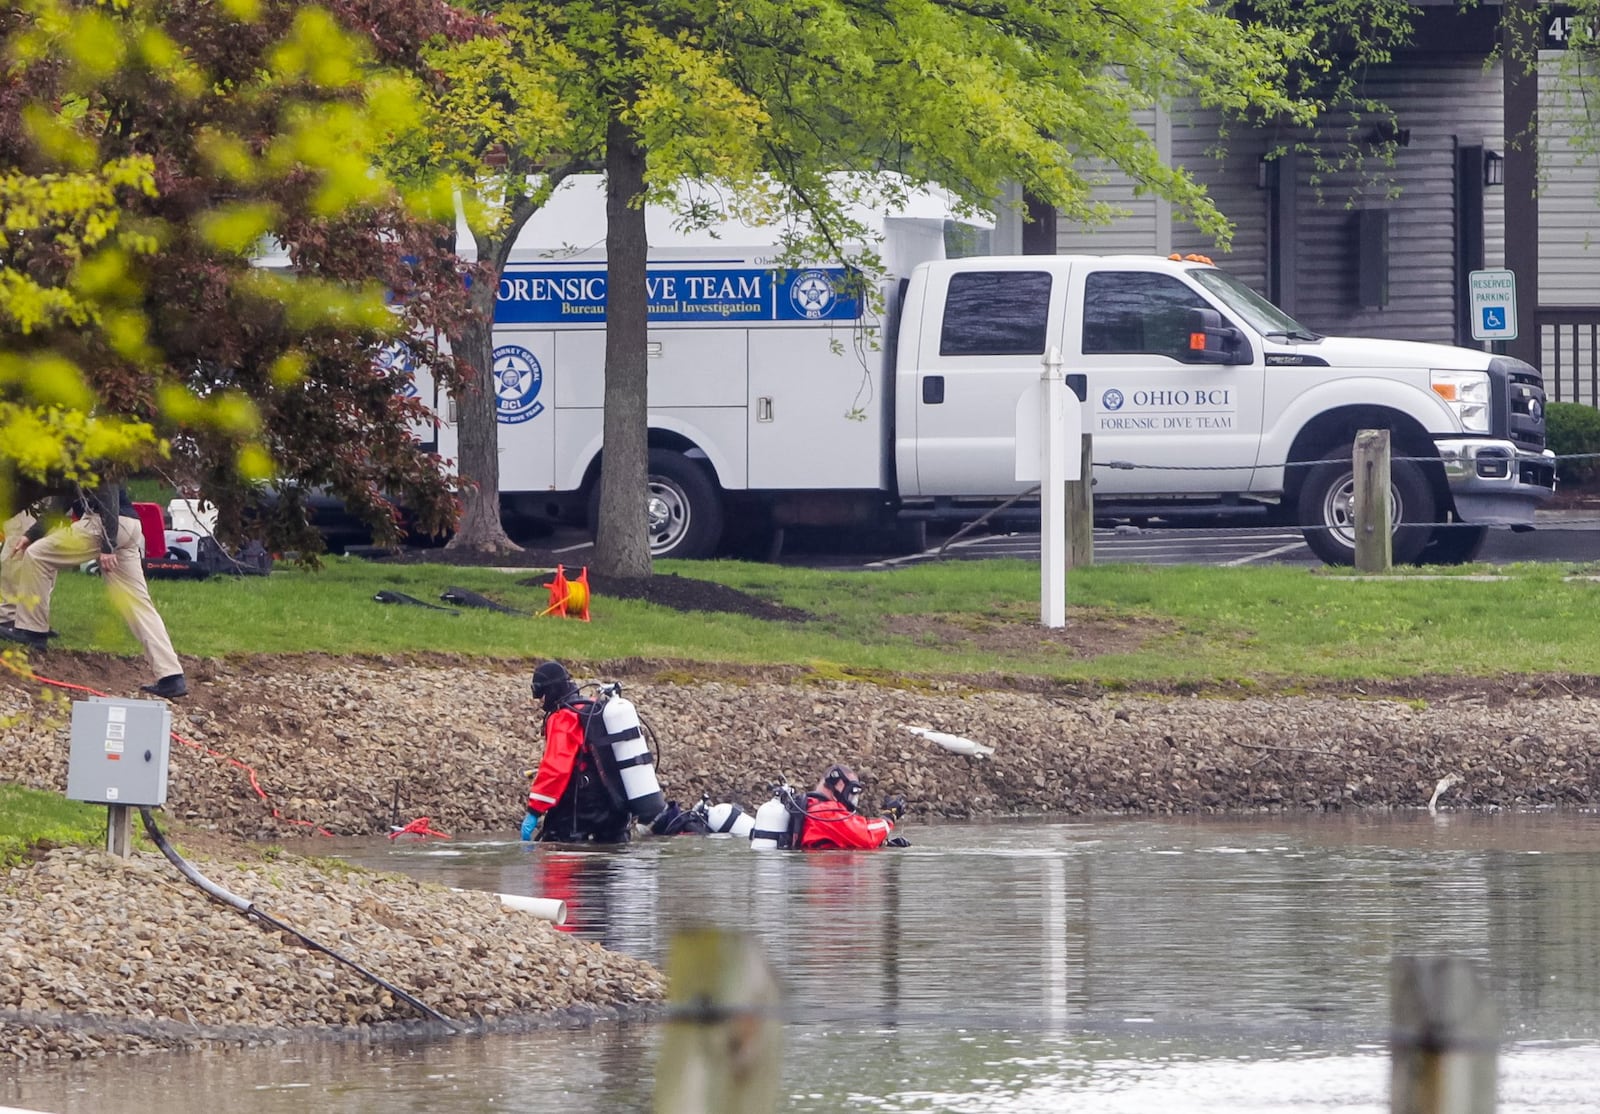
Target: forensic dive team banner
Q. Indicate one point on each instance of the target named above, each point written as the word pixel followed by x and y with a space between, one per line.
pixel 706 294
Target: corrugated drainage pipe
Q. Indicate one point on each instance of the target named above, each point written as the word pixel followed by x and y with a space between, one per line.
pixel 248 909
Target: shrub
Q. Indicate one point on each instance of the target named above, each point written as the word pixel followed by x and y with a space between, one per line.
pixel 1572 428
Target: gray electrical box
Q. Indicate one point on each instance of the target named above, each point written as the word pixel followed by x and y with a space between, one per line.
pixel 119 752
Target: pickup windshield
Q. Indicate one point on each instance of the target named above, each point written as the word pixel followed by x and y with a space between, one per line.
pixel 1266 318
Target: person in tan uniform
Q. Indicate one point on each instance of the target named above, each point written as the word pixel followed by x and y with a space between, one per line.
pixel 24 494
pixel 14 529
pixel 107 529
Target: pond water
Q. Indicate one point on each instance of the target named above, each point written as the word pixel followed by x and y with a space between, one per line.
pixel 1004 968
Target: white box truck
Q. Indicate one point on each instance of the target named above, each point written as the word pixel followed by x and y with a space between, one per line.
pixel 775 400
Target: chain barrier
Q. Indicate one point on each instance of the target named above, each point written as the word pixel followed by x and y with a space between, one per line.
pixel 1130 466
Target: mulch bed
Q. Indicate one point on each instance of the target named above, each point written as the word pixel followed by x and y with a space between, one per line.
pixel 680 593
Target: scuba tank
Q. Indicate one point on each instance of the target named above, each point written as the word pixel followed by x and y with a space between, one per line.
pixel 630 754
pixel 729 819
pixel 774 827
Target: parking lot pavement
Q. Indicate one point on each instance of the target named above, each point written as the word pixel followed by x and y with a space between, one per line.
pixel 1556 539
pixel 1561 536
pixel 1137 545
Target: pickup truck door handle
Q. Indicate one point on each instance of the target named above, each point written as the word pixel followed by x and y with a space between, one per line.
pixel 933 389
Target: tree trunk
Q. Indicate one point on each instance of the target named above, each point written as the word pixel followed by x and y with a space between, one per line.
pixel 622 542
pixel 478 431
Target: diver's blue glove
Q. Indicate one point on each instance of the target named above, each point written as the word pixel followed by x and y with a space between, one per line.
pixel 530 824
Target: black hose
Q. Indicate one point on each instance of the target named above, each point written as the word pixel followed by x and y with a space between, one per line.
pixel 249 910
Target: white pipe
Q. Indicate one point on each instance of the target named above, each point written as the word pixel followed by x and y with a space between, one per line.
pixel 545 908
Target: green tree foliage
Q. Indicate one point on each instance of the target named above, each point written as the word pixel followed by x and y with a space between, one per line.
pixel 770 99
pixel 149 150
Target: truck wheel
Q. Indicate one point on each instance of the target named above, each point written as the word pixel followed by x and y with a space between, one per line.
pixel 1327 520
pixel 1454 544
pixel 684 509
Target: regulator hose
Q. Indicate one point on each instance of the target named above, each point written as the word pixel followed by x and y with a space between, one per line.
pixel 249 909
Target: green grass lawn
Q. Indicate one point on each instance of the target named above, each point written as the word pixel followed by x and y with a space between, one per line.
pixel 1183 623
pixel 28 817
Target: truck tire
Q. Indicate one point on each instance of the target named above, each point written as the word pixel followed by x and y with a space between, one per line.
pixel 1328 524
pixel 1454 544
pixel 684 508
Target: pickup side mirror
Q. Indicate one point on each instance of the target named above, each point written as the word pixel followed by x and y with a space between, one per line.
pixel 1214 341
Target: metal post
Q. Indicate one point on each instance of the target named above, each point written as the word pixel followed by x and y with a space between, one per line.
pixel 1052 494
pixel 1443 1038
pixel 1369 509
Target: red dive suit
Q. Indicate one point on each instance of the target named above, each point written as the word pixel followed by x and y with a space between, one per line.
pixel 563 737
pixel 829 824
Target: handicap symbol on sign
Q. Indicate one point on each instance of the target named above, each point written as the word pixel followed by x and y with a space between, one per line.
pixel 1494 317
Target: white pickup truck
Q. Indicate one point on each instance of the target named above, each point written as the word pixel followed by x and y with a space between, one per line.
pixel 775 400
pixel 1200 392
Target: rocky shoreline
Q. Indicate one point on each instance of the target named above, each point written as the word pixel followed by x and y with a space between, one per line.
pixel 355 746
pixel 102 954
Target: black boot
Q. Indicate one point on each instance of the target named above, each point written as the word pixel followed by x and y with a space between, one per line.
pixel 171 687
pixel 36 640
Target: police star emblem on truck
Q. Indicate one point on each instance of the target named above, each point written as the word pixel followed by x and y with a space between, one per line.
pixel 812 294
pixel 517 379
pixel 1112 399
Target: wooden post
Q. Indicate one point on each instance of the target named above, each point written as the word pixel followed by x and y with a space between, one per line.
pixel 722 1048
pixel 1369 510
pixel 1080 511
pixel 119 830
pixel 1442 1040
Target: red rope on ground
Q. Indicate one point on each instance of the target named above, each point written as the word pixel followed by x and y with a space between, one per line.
pixel 217 754
pixel 418 827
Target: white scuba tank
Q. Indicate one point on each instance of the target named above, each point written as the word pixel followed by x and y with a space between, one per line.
pixel 730 819
pixel 632 757
pixel 773 826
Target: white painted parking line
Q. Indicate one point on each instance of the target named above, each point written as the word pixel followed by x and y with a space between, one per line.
pixel 1280 551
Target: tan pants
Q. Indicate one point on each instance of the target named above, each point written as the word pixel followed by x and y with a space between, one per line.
pixel 15 527
pixel 71 547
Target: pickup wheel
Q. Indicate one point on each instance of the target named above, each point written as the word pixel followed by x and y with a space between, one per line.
pixel 1454 544
pixel 684 508
pixel 1326 512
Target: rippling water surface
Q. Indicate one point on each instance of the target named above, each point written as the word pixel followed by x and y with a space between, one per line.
pixel 1005 968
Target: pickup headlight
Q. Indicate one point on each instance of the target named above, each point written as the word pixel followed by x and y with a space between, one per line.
pixel 1467 393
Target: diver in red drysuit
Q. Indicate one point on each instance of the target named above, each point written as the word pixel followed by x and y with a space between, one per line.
pixel 832 819
pixel 570 800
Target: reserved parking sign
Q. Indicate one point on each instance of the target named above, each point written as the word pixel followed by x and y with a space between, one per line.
pixel 1494 305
